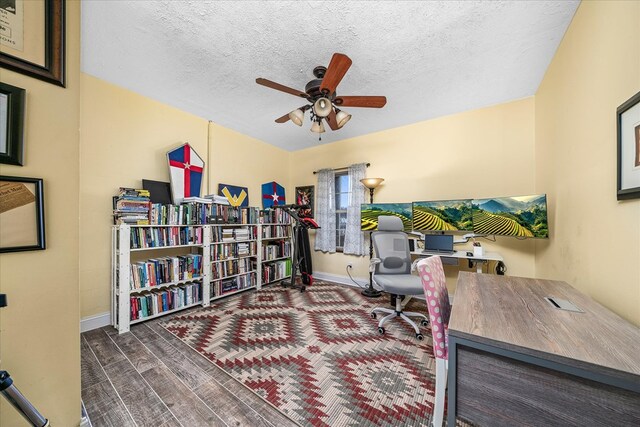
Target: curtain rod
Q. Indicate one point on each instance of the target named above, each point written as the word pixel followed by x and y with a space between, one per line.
pixel 340 169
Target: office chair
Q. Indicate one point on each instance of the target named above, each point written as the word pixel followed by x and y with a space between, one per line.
pixel 392 271
pixel 435 291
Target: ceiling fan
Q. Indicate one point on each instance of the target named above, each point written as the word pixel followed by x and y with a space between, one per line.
pixel 322 98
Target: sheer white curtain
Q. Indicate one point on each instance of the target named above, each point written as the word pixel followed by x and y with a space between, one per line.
pixel 326 211
pixel 354 238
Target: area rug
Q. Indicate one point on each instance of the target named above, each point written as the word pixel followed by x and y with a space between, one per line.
pixel 317 355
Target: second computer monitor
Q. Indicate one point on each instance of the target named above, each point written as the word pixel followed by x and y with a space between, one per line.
pixel 443 215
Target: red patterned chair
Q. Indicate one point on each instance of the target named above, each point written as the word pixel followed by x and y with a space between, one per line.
pixel 435 291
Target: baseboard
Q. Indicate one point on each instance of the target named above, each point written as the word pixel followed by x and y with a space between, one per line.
pixel 95 322
pixel 345 280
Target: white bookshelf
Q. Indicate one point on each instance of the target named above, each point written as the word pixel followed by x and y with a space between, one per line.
pixel 121 281
pixel 214 251
pixel 251 260
pixel 275 232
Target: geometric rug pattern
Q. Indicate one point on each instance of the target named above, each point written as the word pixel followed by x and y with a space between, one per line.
pixel 317 355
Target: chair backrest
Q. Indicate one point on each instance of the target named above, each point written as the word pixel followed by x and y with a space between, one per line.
pixel 391 245
pixel 435 291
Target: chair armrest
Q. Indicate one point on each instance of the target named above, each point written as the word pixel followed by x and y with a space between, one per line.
pixel 372 264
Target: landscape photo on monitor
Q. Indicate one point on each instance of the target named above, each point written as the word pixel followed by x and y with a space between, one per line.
pixel 521 216
pixel 443 215
pixel 369 214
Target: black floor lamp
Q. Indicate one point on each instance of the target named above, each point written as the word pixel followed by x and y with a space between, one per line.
pixel 371 184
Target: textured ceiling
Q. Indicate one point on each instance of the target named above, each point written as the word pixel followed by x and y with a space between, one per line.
pixel 428 58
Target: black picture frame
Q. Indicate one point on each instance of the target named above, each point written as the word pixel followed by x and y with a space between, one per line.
pixel 53 70
pixel 11 200
pixel 13 124
pixel 628 163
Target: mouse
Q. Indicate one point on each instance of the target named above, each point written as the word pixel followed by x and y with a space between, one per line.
pixel 469 253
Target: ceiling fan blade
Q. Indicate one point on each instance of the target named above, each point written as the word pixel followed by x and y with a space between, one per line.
pixel 282 88
pixel 283 119
pixel 361 101
pixel 338 67
pixel 331 120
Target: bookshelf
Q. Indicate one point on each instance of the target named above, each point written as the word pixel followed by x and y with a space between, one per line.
pixel 234 257
pixel 157 270
pixel 275 247
pixel 162 268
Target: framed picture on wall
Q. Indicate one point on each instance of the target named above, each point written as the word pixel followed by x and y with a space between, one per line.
pixel 11 124
pixel 32 38
pixel 628 127
pixel 21 214
pixel 306 196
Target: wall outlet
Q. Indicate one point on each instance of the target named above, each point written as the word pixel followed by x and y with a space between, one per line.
pixel 349 266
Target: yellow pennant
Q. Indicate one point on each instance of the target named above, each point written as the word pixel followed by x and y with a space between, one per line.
pixel 235 201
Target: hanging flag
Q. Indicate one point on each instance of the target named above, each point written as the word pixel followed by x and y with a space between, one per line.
pixel 237 196
pixel 185 167
pixel 272 194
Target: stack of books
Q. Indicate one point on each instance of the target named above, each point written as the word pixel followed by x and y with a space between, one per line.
pixel 131 206
pixel 221 200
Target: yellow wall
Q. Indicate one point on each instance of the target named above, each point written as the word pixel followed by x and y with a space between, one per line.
pixel 596 239
pixel 481 153
pixel 124 138
pixel 39 330
pixel 238 159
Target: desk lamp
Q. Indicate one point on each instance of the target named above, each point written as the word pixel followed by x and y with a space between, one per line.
pixel 371 184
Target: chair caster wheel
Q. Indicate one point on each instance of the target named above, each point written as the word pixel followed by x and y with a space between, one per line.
pixel 381 330
pixel 419 337
pixel 425 323
pixel 373 315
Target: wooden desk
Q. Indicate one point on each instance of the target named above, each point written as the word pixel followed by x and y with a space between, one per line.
pixel 515 359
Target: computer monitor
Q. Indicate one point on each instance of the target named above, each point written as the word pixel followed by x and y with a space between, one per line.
pixel 518 216
pixel 370 212
pixel 160 192
pixel 442 215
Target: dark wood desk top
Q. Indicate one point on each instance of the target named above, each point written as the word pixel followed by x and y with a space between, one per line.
pixel 511 313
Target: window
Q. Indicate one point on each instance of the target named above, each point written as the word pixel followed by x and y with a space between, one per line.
pixel 343 193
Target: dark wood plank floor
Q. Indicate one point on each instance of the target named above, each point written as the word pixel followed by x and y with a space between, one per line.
pixel 148 377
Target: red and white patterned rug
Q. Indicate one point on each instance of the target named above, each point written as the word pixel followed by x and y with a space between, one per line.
pixel 317 355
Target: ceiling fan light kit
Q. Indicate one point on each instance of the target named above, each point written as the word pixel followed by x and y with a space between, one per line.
pixel 317 127
pixel 297 116
pixel 342 117
pixel 322 98
pixel 322 107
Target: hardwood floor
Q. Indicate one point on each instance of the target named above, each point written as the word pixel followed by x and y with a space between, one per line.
pixel 148 377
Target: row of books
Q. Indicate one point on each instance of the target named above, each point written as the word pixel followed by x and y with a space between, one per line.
pixel 269 231
pixel 233 284
pixel 158 271
pixel 221 251
pixel 185 214
pixel 131 206
pixel 275 271
pixel 228 234
pixel 223 214
pixel 151 303
pixel 275 216
pixel 154 237
pixel 231 267
pixel 276 249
